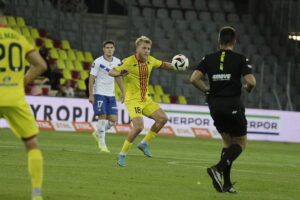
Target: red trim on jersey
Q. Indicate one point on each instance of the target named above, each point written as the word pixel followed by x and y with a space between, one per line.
pixel 141 78
pixel 29 138
pixel 135 55
pixel 28 52
pixel 161 64
pixel 145 80
pixel 143 72
pixel 140 60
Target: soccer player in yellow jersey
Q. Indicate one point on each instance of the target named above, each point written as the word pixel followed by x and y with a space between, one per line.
pixel 136 71
pixel 14 49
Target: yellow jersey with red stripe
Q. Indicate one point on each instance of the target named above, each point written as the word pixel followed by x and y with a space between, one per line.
pixel 13 50
pixel 136 82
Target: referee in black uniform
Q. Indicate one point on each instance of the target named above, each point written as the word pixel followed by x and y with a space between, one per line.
pixel 225 69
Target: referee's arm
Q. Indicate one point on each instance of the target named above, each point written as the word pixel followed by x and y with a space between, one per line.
pixel 197 82
pixel 250 82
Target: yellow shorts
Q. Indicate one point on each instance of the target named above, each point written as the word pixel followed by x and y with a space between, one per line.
pixel 139 108
pixel 21 120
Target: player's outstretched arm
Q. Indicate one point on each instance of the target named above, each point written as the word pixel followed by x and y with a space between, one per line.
pixel 197 82
pixel 250 82
pixel 166 65
pixel 38 66
pixel 120 83
pixel 91 88
pixel 114 73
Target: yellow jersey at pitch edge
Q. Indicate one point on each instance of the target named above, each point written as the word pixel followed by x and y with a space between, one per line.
pixel 13 51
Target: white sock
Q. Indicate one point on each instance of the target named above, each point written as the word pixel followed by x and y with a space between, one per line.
pixel 101 124
pixel 36 192
pixel 144 142
pixel 109 125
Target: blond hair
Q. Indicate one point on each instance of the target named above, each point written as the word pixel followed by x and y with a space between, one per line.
pixel 143 39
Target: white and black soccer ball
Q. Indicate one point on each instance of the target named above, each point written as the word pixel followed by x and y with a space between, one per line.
pixel 180 62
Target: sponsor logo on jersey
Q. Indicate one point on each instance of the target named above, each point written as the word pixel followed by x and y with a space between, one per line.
pixel 6 79
pixel 221 77
pixel 8 84
pixel 104 67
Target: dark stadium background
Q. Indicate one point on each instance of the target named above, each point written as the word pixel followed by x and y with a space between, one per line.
pixel 267 34
pixel 69 35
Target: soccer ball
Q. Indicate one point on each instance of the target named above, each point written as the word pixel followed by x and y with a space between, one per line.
pixel 180 62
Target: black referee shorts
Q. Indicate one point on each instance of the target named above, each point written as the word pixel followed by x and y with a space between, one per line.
pixel 228 114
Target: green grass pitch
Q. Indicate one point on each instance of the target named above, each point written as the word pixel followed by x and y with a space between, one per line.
pixel 76 170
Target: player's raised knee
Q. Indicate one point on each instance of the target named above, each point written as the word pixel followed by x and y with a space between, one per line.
pixel 162 119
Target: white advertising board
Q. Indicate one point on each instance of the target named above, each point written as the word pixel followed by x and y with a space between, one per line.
pixel 184 120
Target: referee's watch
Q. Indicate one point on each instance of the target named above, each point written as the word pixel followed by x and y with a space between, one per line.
pixel 206 92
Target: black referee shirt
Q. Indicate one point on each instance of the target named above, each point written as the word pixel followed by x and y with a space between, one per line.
pixel 225 69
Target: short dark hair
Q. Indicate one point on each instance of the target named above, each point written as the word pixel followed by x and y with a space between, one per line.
pixel 2 7
pixel 108 42
pixel 227 35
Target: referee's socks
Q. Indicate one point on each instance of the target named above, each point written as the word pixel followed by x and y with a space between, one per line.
pixel 229 156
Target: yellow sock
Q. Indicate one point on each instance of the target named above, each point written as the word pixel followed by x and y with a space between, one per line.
pixel 35 167
pixel 126 146
pixel 150 135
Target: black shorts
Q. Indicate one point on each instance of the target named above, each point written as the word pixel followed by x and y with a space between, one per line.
pixel 228 114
